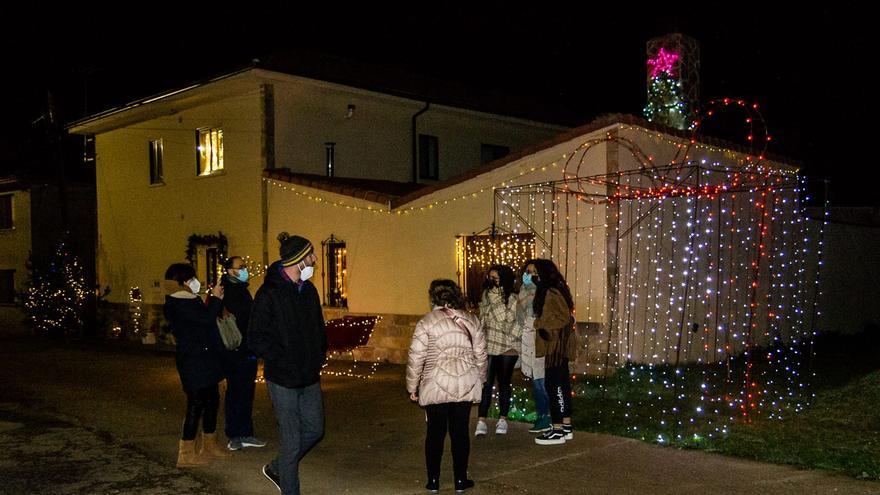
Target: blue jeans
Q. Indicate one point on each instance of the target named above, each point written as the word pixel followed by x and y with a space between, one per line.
pixel 300 413
pixel 240 368
pixel 542 401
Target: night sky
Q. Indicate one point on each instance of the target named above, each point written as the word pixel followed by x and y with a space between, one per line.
pixel 807 70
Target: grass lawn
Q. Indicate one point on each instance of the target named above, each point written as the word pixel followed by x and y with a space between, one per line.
pixel 838 431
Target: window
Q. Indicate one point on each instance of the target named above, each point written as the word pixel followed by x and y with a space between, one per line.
pixel 156 158
pixel 6 220
pixel 429 157
pixel 491 152
pixel 335 272
pixel 209 152
pixel 7 286
pixel 476 253
pixel 89 149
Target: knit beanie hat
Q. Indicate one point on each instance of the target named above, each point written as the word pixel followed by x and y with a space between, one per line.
pixel 293 248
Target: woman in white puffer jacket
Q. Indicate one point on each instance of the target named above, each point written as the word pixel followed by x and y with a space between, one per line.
pixel 445 374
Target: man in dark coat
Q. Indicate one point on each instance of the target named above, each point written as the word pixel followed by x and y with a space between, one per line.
pixel 287 330
pixel 239 365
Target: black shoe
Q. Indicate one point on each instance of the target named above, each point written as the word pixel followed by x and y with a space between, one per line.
pixel 271 476
pixel 433 485
pixel 552 437
pixel 462 485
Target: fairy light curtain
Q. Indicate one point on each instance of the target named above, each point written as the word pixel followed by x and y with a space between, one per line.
pixel 475 254
pixel 702 277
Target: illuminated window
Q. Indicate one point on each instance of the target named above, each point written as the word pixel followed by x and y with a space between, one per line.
pixel 157 153
pixel 335 272
pixel 476 253
pixel 209 153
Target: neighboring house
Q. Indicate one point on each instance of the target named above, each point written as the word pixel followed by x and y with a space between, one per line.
pixel 15 247
pixel 32 222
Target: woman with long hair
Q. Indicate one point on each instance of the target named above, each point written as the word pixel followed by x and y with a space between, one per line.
pixel 555 342
pixel 532 366
pixel 498 314
pixel 194 326
pixel 445 372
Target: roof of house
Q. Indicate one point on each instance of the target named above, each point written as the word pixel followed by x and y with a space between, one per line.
pixel 598 123
pixel 412 85
pixel 383 192
pixel 365 76
pixel 396 194
pixel 12 183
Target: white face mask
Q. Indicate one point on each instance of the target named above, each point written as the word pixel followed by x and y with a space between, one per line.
pixel 194 285
pixel 306 273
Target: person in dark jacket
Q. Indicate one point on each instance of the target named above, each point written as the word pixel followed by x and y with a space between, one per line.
pixel 287 330
pixel 194 326
pixel 239 365
pixel 555 342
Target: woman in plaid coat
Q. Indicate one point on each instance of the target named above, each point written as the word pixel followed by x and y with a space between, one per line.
pixel 503 343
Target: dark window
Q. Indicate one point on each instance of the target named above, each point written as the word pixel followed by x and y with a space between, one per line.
pixel 429 157
pixel 6 221
pixel 491 152
pixel 7 286
pixel 212 265
pixel 157 154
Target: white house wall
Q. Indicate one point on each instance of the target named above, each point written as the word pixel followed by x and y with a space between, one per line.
pixel 143 228
pixel 392 257
pixel 376 142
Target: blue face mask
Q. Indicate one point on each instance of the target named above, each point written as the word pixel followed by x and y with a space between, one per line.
pixel 527 278
pixel 242 275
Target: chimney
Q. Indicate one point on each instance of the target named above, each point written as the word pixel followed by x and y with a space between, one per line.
pixel 673 76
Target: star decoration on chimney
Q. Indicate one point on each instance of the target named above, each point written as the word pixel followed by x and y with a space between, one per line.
pixel 664 62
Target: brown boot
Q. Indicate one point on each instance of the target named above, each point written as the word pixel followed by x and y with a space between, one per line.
pixel 186 455
pixel 210 449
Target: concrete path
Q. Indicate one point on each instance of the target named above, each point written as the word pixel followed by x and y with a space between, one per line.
pixel 107 410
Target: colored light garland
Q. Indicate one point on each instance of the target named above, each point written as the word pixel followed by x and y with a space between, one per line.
pixel 666 104
pixel 706 324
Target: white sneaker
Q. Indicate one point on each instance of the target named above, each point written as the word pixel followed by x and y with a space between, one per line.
pixel 501 427
pixel 481 429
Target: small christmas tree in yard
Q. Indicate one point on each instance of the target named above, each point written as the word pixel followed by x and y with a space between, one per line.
pixel 55 297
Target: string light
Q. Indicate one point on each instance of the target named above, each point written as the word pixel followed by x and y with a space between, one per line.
pixel 346 334
pixel 135 300
pixel 55 297
pixel 702 285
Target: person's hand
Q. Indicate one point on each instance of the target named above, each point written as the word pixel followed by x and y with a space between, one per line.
pixel 217 291
pixel 414 397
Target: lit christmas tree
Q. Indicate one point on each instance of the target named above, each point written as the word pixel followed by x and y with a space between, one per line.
pixel 55 296
pixel 666 103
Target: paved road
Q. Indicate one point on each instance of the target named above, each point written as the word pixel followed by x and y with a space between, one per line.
pixel 92 419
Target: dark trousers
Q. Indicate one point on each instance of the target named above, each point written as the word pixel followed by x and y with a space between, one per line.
pixel 454 417
pixel 240 368
pixel 558 384
pixel 500 368
pixel 201 404
pixel 300 413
